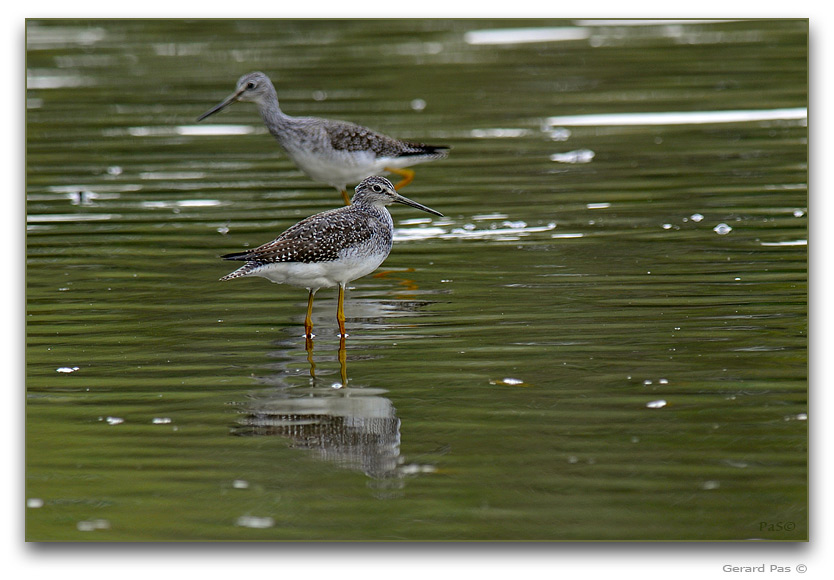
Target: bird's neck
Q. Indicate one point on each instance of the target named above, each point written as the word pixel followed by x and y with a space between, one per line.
pixel 273 116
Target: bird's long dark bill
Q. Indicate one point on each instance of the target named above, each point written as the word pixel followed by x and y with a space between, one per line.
pixel 406 201
pixel 232 99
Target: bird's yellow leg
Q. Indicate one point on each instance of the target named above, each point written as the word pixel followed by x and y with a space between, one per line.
pixel 345 196
pixel 406 174
pixel 340 311
pixel 308 320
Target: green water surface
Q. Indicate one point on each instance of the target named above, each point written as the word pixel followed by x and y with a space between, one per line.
pixel 605 338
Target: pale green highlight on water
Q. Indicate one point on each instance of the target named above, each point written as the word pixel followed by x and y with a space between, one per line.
pixel 605 338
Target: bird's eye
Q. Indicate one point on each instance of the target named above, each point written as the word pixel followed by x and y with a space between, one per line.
pixel 376 188
pixel 250 85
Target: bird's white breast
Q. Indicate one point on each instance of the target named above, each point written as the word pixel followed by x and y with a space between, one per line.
pixel 337 168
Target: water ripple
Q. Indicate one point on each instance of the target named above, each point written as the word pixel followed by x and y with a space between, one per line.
pixel 506 231
pixel 680 117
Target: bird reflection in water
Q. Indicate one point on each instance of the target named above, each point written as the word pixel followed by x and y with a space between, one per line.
pixel 354 427
pixel 308 346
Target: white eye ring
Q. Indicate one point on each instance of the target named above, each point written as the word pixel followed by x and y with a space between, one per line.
pixel 376 188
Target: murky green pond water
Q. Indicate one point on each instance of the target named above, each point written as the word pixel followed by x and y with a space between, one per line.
pixel 604 339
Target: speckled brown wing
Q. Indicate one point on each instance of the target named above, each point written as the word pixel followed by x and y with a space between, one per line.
pixel 349 137
pixel 318 238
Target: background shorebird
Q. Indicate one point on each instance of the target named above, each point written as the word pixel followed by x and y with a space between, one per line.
pixel 334 152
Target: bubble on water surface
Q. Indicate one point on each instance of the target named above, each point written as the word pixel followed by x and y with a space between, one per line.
pixel 255 522
pixel 797 417
pixel 92 525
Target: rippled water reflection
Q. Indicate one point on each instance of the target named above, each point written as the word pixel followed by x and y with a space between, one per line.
pixel 604 339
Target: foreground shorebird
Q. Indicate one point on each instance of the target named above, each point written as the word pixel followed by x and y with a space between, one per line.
pixel 334 152
pixel 330 248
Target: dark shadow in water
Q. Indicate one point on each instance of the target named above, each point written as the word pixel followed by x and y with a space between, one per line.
pixel 354 427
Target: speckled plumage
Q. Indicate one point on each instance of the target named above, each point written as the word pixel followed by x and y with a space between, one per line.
pixel 338 153
pixel 350 137
pixel 330 248
pixel 364 230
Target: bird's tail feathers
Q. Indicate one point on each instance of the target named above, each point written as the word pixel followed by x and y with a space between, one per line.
pixel 244 270
pixel 247 255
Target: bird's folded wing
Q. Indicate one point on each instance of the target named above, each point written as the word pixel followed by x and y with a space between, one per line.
pixel 318 238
